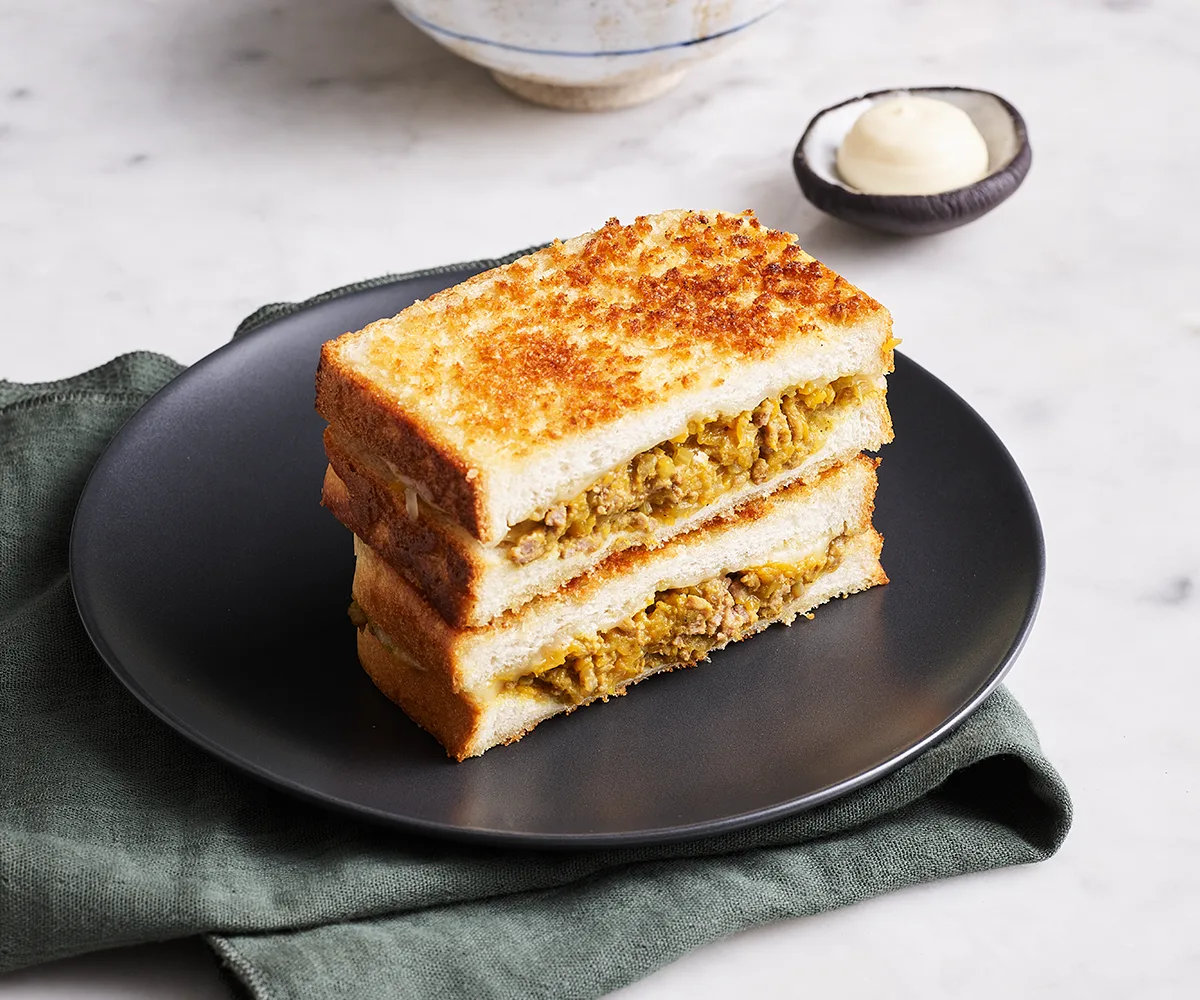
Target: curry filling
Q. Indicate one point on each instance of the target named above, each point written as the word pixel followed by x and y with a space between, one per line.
pixel 688 472
pixel 679 627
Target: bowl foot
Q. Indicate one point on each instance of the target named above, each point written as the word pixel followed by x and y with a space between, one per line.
pixel 603 97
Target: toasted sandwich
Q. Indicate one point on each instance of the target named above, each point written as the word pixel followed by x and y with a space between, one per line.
pixel 640 612
pixel 621 389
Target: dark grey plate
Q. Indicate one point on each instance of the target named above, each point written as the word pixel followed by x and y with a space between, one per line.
pixel 215 586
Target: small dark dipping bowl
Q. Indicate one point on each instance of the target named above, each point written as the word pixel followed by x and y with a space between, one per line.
pixel 1009 156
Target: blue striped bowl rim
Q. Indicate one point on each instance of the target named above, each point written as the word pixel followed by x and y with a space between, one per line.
pixel 598 53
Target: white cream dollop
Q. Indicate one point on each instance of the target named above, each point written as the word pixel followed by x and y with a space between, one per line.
pixel 912 145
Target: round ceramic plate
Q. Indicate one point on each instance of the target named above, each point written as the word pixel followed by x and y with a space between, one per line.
pixel 215 586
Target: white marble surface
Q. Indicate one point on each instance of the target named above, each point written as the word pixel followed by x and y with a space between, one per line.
pixel 166 167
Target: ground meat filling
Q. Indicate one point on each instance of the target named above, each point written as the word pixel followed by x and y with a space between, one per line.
pixel 680 627
pixel 680 476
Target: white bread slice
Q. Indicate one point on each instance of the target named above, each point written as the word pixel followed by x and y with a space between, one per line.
pixel 447 678
pixel 525 384
pixel 470 583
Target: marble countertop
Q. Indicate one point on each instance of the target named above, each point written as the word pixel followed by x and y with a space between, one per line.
pixel 166 168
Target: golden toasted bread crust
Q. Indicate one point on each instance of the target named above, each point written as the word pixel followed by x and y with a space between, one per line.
pixel 425 695
pixel 878 578
pixel 418 548
pixel 351 400
pixel 567 329
pixel 572 337
pixel 400 610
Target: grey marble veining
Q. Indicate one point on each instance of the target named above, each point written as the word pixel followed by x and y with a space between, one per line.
pixel 165 168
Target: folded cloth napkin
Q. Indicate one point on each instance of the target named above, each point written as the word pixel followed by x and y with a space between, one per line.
pixel 114 830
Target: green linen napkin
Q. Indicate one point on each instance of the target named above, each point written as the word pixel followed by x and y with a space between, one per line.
pixel 114 830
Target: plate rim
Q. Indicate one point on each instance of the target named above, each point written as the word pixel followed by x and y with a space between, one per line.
pixel 434 829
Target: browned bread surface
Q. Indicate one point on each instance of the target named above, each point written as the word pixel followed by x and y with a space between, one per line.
pixel 425 695
pixel 420 548
pixel 460 388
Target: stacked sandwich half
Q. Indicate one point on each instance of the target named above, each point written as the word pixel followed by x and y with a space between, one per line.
pixel 599 462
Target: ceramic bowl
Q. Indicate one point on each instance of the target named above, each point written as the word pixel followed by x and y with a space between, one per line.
pixel 1009 157
pixel 585 55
